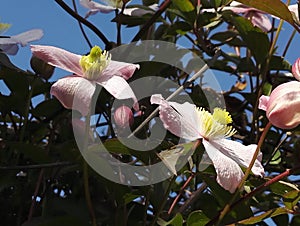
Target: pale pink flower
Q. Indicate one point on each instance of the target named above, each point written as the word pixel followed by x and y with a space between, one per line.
pixel 9 44
pixel 96 68
pixel 192 123
pixel 283 105
pixel 112 5
pixel 123 116
pixel 257 17
pixel 296 69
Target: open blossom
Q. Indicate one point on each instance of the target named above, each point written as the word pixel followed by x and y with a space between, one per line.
pixel 283 105
pixel 9 44
pixel 96 68
pixel 191 123
pixel 112 5
pixel 296 69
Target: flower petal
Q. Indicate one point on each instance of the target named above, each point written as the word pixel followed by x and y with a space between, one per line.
pixel 140 11
pixel 58 57
pixel 118 87
pixel 260 20
pixel 23 38
pixel 229 174
pixel 10 49
pixel 283 105
pixel 122 69
pixel 179 119
pixel 263 102
pixel 95 7
pixel 296 69
pixel 28 36
pixel 240 153
pixel 66 88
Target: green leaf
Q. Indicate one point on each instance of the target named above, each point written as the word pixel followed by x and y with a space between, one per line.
pixel 179 27
pixel 170 157
pixel 197 218
pixel 176 221
pixel 274 7
pixel 278 63
pixel 261 217
pixel 291 199
pixel 282 187
pixel 257 40
pixel 184 5
pixel 276 158
pixel 48 108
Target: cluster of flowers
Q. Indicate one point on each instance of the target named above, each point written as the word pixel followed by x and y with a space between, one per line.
pixel 184 120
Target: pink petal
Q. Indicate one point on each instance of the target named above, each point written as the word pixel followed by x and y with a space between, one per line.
pixel 229 173
pixel 179 119
pixel 294 9
pixel 260 20
pixel 96 7
pixel 10 49
pixel 66 88
pixel 296 69
pixel 241 154
pixel 23 38
pixel 283 105
pixel 118 87
pixel 263 102
pixel 28 36
pixel 122 69
pixel 140 11
pixel 58 57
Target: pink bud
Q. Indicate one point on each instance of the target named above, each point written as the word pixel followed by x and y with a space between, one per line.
pixel 123 116
pixel 283 105
pixel 296 69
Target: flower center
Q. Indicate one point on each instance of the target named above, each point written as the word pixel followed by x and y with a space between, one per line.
pixel 215 126
pixel 94 63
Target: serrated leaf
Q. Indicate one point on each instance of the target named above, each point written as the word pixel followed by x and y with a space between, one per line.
pixel 197 218
pixel 261 217
pixel 273 7
pixel 176 221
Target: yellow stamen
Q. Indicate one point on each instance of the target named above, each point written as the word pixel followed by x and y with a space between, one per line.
pixel 94 63
pixel 215 126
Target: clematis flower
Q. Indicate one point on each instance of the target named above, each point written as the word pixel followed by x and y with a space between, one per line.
pixel 9 44
pixel 96 68
pixel 191 123
pixel 257 17
pixel 112 5
pixel 283 105
pixel 296 69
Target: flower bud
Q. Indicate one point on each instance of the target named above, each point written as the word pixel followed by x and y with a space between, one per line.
pixel 123 116
pixel 296 69
pixel 283 105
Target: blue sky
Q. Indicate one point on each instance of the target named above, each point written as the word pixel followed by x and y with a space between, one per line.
pixel 61 30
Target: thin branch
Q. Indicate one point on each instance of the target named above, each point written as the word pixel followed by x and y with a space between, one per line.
pixel 85 22
pixel 37 166
pixel 81 27
pixel 147 25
